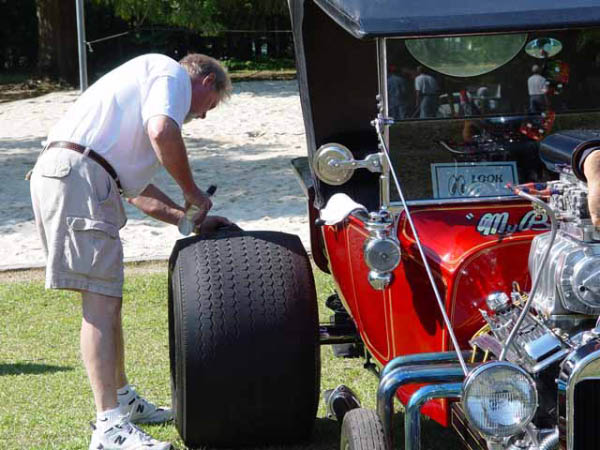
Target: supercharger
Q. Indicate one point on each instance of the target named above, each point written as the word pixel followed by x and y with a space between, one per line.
pixel 570 284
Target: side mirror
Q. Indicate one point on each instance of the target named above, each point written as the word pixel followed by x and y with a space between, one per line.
pixel 543 48
pixel 334 164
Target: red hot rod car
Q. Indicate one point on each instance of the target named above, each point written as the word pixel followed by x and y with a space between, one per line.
pixel 446 199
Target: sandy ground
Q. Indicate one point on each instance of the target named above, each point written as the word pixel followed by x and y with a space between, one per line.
pixel 244 147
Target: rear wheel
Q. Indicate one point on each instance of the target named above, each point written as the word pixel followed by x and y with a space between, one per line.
pixel 362 430
pixel 244 345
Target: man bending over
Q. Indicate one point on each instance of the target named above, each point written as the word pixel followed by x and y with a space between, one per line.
pixel 110 144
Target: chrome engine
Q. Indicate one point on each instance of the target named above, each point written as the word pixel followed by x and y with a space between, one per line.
pixel 535 348
pixel 567 299
pixel 560 330
pixel 571 282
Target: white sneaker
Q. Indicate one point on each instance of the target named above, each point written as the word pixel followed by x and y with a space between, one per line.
pixel 125 436
pixel 142 411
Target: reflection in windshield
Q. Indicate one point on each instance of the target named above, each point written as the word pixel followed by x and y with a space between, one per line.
pixel 466 56
pixel 537 87
pixel 459 137
pixel 427 92
pixel 543 48
pixel 399 93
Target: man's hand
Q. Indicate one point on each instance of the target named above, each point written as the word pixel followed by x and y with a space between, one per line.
pixel 201 200
pixel 591 170
pixel 211 224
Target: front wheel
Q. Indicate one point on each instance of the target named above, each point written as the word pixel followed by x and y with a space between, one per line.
pixel 362 430
pixel 244 346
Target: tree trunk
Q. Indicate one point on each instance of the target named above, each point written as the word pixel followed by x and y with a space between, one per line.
pixel 57 39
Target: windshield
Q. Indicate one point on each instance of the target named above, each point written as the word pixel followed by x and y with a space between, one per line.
pixel 469 112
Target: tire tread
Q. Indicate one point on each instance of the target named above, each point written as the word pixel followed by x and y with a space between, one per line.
pixel 248 336
pixel 362 430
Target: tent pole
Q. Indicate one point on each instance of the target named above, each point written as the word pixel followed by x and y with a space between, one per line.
pixel 83 77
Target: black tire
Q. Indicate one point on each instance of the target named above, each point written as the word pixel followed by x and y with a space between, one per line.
pixel 362 430
pixel 243 332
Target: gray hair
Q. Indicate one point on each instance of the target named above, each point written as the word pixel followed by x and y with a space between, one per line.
pixel 199 66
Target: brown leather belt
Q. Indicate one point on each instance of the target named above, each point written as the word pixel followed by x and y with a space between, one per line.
pixel 86 151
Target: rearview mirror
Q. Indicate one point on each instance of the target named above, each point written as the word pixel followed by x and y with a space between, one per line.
pixel 334 164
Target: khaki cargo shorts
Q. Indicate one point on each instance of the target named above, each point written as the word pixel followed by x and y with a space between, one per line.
pixel 78 213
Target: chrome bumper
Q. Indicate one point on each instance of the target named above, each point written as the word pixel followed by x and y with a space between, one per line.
pixel 441 368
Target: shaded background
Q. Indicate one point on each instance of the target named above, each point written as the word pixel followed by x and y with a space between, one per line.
pixel 38 38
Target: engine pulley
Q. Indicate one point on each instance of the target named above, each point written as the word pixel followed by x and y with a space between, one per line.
pixel 586 280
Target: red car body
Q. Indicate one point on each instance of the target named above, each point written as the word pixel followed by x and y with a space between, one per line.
pixel 404 318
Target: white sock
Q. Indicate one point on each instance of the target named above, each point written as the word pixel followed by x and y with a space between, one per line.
pixel 106 419
pixel 124 396
pixel 125 391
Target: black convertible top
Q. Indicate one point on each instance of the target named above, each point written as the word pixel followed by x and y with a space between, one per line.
pixel 373 18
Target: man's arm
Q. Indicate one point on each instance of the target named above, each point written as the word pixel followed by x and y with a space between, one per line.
pixel 168 144
pixel 591 169
pixel 155 203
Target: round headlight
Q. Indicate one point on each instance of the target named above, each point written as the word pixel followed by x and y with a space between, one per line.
pixel 382 255
pixel 499 399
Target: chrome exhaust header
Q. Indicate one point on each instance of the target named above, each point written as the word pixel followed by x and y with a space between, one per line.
pixel 412 416
pixel 422 358
pixel 400 374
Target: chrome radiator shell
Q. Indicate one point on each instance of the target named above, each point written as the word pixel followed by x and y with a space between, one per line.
pixel 582 364
pixel 571 262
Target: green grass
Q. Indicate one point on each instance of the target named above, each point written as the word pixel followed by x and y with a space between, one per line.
pixel 268 64
pixel 260 69
pixel 45 399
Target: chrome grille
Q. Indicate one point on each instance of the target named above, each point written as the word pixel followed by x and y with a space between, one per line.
pixel 578 399
pixel 586 412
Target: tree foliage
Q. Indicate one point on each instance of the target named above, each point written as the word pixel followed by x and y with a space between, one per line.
pixel 240 29
pixel 204 16
pixel 193 14
pixel 41 34
pixel 246 14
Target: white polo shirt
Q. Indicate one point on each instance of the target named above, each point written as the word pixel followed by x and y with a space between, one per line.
pixel 111 116
pixel 536 85
pixel 426 84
